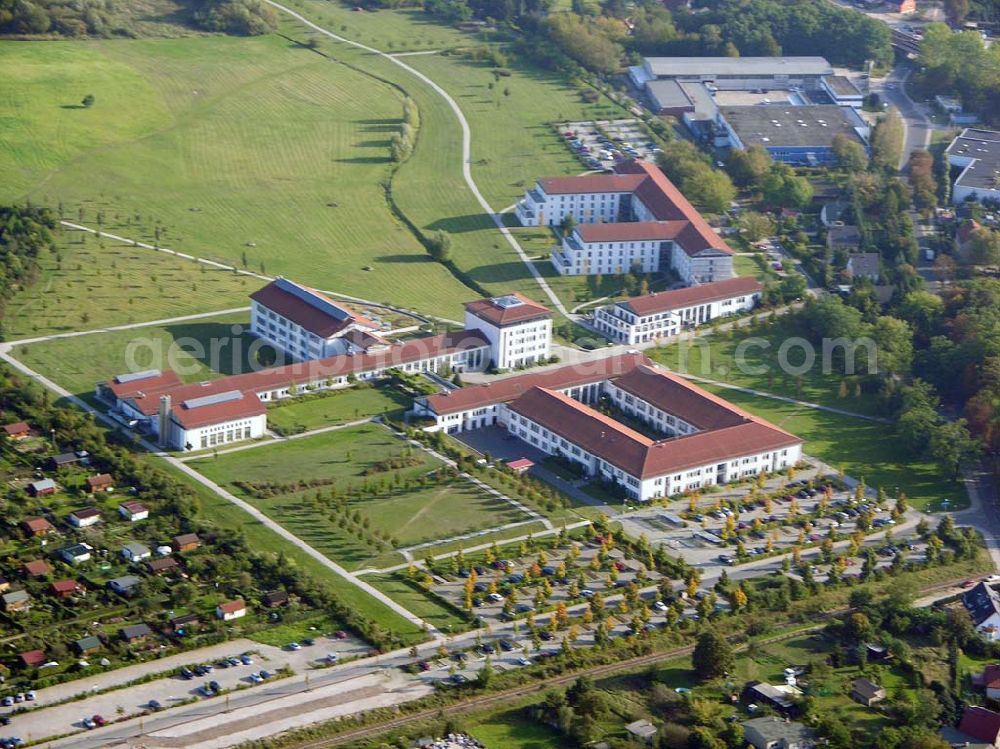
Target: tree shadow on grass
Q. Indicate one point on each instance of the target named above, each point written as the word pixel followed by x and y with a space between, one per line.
pixel 460 224
pixel 72 106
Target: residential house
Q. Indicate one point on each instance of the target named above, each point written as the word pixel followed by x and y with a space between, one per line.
pixel 989 680
pixel 641 730
pixel 186 542
pixel 162 566
pixel 67 459
pixel 76 553
pixel 866 692
pixel 87 645
pixel 135 552
pixel 37 526
pixel 181 624
pixel 66 588
pixel 16 600
pixel 36 568
pixel 864 265
pixel 981 724
pixel 275 598
pixel 135 633
pixel 771 732
pixel 84 517
pixel 125 585
pixel 230 610
pixel 780 698
pixel 133 511
pixel 102 482
pixel 33 658
pixel 876 651
pixel 983 605
pixel 42 487
pixel 843 238
pixel 17 431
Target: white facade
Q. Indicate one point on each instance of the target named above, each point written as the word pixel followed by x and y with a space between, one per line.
pixel 537 208
pixel 707 266
pixel 575 257
pixel 215 435
pixel 294 340
pixel 618 323
pixel 515 344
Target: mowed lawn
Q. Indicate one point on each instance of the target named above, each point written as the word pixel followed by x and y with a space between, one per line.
pixel 233 147
pixel 753 360
pixel 338 407
pixel 863 448
pixel 412 516
pixel 89 284
pixel 197 350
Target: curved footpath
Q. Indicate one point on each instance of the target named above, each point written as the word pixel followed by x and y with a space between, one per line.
pixel 466 147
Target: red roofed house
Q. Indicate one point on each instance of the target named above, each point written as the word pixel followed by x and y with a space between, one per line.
pixel 85 517
pixel 705 440
pixel 990 681
pixel 306 324
pixel 186 542
pixel 133 511
pixel 635 218
pixel 36 568
pixel 37 526
pixel 102 482
pixel 981 724
pixel 648 318
pixel 520 465
pixel 17 432
pixel 519 330
pixel 33 658
pixel 230 610
pixel 66 588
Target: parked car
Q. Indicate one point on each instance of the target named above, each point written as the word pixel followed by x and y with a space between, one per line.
pixel 99 720
pixel 154 705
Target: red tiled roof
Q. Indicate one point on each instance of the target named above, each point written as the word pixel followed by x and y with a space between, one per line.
pixel 493 312
pixel 36 525
pixel 980 723
pixel 991 676
pixel 637 454
pixel 307 315
pixel 663 301
pixel 86 512
pixel 33 657
pixel 395 355
pixel 590 183
pixel 520 463
pixel 231 607
pixel 17 428
pixel 123 390
pixel 101 479
pixel 36 567
pixel 246 406
pixel 509 388
pixel 134 507
pixel 630 231
pixel 65 586
pixel 675 395
pixel 667 203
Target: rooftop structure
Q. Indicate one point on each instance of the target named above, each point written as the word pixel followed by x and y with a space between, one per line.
pixel 708 68
pixel 978 153
pixel 796 135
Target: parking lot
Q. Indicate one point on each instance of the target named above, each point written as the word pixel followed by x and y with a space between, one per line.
pixel 43 718
pixel 599 144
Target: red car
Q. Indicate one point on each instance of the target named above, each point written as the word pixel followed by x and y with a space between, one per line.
pixel 99 720
pixel 340 634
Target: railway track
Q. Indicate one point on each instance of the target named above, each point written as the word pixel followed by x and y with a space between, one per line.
pixel 509 695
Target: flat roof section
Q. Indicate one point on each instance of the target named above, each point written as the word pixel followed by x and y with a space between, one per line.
pixel 983 146
pixel 743 67
pixel 812 126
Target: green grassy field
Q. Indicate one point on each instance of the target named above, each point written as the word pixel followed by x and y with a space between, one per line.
pixel 334 408
pixel 409 515
pixel 427 608
pixel 186 347
pixel 861 447
pixel 85 285
pixel 233 146
pixel 753 360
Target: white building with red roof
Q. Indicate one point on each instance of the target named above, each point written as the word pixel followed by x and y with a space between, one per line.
pixel 519 330
pixel 701 440
pixel 635 218
pixel 648 318
pixel 305 324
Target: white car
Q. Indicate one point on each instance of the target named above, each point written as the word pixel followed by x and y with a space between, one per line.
pixel 660 606
pixel 495 597
pixel 331 657
pixel 294 646
pixel 522 661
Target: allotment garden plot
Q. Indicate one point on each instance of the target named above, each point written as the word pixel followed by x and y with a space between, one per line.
pixel 361 495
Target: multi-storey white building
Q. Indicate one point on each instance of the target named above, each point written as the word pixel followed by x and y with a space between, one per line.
pixel 518 329
pixel 666 313
pixel 704 440
pixel 636 218
pixel 306 324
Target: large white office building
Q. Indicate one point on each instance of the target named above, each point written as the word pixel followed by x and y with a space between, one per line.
pixel 518 329
pixel 701 439
pixel 635 219
pixel 666 313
